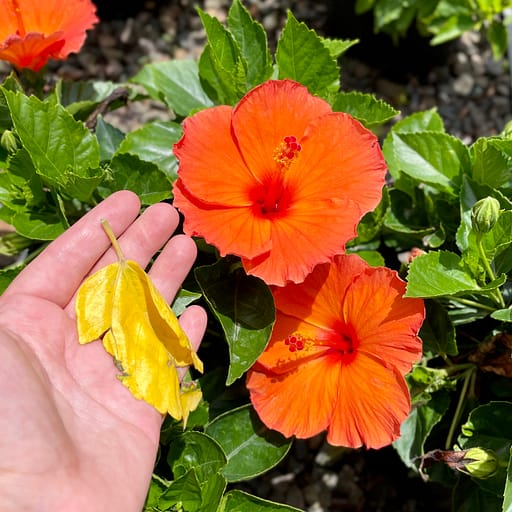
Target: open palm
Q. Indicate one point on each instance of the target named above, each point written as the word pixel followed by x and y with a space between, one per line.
pixel 72 436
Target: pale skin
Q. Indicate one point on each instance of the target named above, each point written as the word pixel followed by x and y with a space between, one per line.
pixel 72 437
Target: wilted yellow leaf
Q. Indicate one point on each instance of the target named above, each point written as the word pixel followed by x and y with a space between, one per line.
pixel 120 305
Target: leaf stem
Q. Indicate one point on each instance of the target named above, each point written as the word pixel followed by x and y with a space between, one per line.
pixel 472 303
pixel 490 273
pixel 458 411
pixel 113 239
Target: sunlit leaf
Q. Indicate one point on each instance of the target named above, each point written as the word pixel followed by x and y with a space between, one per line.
pixel 244 306
pixel 236 501
pixel 251 448
pixel 153 143
pixel 146 179
pixel 252 41
pixel 365 107
pixel 302 56
pixel 175 82
pixel 195 451
pixel 120 305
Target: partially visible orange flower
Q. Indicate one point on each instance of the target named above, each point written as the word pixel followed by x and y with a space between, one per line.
pixel 342 342
pixel 279 180
pixel 33 31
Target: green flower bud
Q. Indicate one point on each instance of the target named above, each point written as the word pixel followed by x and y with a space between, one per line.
pixel 484 214
pixel 480 463
pixel 8 141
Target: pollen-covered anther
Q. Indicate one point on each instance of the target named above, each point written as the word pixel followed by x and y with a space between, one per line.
pixel 287 151
pixel 294 342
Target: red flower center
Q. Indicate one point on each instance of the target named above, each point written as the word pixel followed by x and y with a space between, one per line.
pixel 271 198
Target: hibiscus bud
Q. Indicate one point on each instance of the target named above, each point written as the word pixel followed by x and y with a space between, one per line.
pixel 484 214
pixel 480 463
pixel 8 141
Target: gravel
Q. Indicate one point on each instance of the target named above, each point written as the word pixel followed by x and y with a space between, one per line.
pixel 471 92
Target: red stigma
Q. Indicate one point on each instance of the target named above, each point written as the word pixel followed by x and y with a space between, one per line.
pixel 287 151
pixel 294 342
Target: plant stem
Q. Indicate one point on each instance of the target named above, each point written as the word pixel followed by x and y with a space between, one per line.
pixel 490 273
pixel 472 303
pixel 458 410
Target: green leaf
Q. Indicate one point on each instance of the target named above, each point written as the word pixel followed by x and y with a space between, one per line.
pixel 302 56
pixel 507 496
pixel 373 258
pixel 424 121
pixel 415 430
pixel 109 138
pixel 238 501
pixel 364 107
pixel 154 143
pixel 129 172
pixel 245 308
pixel 183 299
pixel 250 447
pixel 44 225
pixel 175 82
pixel 337 47
pixel 492 160
pixel 498 38
pixel 490 426
pixel 252 41
pixel 20 187
pixel 81 97
pixel 198 452
pixel 184 492
pixel 222 70
pixel 64 152
pixel 435 158
pixel 437 274
pixel 504 315
pixel 469 497
pixel 7 275
pixel 437 331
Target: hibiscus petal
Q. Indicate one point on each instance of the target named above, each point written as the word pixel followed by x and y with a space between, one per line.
pixel 232 230
pixel 278 358
pixel 299 403
pixel 32 51
pixel 211 167
pixel 318 300
pixel 309 234
pixel 267 114
pixel 373 400
pixel 49 29
pixel 385 321
pixel 339 158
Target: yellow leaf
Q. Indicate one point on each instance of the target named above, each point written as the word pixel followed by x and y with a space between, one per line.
pixel 120 305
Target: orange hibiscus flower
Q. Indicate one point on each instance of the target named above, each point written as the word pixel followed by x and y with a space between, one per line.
pixel 342 342
pixel 33 31
pixel 280 180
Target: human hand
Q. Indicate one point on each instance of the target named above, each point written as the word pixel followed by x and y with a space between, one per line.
pixel 73 438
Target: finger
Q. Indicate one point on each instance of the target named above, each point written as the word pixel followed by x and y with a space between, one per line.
pixel 58 271
pixel 172 265
pixel 144 237
pixel 193 321
pixel 141 240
